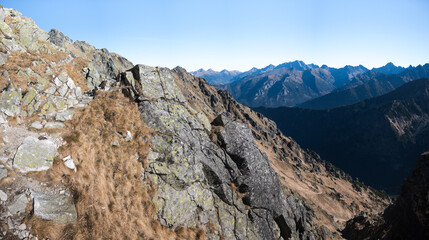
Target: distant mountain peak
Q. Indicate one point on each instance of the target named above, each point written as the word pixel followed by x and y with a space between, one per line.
pixel 389 68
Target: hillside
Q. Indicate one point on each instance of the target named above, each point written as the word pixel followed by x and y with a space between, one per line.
pixel 94 147
pixel 288 84
pixel 407 218
pixel 375 140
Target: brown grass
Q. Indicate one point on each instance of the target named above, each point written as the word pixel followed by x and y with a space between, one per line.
pixel 74 70
pixel 17 61
pixel 111 199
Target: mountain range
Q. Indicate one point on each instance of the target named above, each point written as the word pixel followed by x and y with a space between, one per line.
pixel 365 86
pixel 215 77
pixel 288 84
pixel 310 86
pixel 374 140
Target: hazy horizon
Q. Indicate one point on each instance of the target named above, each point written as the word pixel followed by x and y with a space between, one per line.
pixel 240 35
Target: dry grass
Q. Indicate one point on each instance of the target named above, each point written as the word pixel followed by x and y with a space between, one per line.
pixel 74 70
pixel 111 199
pixel 17 61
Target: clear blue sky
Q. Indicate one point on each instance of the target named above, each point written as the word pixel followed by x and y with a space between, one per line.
pixel 240 34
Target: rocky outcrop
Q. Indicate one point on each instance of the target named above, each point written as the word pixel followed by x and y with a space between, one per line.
pixel 407 218
pixel 228 184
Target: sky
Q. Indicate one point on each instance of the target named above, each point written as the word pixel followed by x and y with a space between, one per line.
pixel 241 34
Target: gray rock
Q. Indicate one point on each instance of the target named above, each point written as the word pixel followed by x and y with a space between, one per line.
pixel 128 137
pixel 19 204
pixel 64 115
pixel 58 208
pixel 35 155
pixel 58 38
pixel 9 102
pixel 63 90
pixel 3 173
pixel 3 58
pixel 3 196
pixel 116 143
pixel 68 162
pixel 52 125
pixel 37 125
pixel 3 119
pixel 10 224
pixel 22 227
pixel 2 14
pixel 260 181
pixel 205 121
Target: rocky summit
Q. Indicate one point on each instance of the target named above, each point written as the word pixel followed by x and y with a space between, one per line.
pixel 94 147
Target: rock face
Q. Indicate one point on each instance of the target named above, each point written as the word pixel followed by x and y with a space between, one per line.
pixel 261 186
pixel 35 155
pixel 407 218
pixel 199 179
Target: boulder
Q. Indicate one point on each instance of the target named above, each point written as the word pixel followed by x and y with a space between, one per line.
pixel 9 102
pixel 58 208
pixel 19 204
pixel 37 125
pixel 52 125
pixel 35 155
pixel 64 115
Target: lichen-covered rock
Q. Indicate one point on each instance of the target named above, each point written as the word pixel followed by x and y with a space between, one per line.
pixel 35 155
pixel 10 101
pixel 19 204
pixel 58 208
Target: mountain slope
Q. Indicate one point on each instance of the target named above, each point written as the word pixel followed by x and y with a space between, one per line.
pixel 288 84
pixel 407 218
pixel 365 86
pixel 372 140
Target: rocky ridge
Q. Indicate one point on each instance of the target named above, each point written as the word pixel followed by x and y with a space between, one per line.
pixel 204 165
